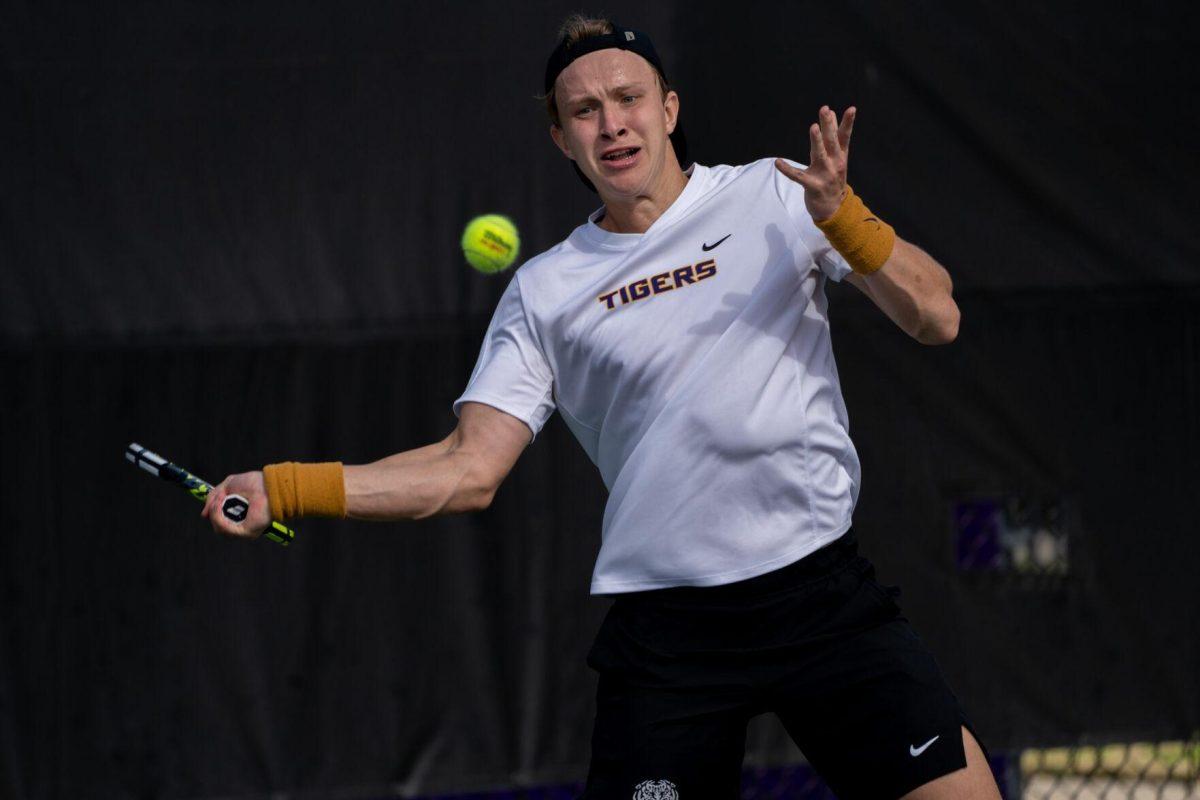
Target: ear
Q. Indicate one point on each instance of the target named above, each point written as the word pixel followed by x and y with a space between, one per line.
pixel 560 139
pixel 671 109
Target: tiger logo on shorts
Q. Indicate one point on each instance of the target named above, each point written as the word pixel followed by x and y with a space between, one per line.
pixel 655 790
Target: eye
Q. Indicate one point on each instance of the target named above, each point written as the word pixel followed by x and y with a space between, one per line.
pixel 629 99
pixel 582 111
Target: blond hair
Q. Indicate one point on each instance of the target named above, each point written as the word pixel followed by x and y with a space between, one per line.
pixel 575 28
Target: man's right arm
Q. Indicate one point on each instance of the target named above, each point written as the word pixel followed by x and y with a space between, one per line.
pixel 458 474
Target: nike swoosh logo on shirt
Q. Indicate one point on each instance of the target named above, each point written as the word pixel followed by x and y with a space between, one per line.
pixel 707 247
pixel 916 751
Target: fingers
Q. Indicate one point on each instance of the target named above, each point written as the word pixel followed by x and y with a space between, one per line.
pixel 835 136
pixel 795 173
pixel 212 508
pixel 213 513
pixel 217 497
pixel 824 180
pixel 846 128
pixel 210 500
pixel 816 146
pixel 828 124
pixel 828 143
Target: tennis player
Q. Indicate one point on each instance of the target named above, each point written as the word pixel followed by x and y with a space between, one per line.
pixel 682 332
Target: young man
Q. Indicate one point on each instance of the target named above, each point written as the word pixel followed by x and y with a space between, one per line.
pixel 682 333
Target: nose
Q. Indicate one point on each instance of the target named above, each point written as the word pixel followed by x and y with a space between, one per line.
pixel 612 122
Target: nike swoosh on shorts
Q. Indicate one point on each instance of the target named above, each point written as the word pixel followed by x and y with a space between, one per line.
pixel 916 751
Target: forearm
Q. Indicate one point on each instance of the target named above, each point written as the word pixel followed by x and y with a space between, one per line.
pixel 915 291
pixel 903 280
pixel 432 480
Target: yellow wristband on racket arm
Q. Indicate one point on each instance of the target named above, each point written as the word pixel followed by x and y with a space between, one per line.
pixel 305 490
pixel 863 239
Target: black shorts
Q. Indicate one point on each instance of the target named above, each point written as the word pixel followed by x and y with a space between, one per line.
pixel 819 643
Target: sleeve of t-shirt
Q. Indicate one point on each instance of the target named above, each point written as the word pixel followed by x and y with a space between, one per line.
pixel 791 194
pixel 512 373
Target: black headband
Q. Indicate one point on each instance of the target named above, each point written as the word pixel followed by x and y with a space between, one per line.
pixel 621 39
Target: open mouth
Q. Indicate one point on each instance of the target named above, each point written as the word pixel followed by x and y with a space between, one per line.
pixel 620 157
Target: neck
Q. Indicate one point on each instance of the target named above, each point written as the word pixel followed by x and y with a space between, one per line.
pixel 636 214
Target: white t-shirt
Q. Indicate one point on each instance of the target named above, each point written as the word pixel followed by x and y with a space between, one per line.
pixel 693 363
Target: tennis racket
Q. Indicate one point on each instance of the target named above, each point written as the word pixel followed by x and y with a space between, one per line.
pixel 235 507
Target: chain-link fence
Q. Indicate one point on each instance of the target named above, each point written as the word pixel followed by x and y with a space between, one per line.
pixel 1166 770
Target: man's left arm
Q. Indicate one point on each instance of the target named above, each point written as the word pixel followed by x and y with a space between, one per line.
pixel 914 291
pixel 905 282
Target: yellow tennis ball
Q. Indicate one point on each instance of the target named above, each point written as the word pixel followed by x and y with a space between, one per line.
pixel 491 243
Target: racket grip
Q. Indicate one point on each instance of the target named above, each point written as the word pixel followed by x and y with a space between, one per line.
pixel 235 507
pixel 280 533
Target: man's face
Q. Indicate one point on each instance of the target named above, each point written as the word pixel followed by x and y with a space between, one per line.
pixel 615 122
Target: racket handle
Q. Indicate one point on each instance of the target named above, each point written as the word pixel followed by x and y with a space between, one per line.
pixel 280 533
pixel 235 508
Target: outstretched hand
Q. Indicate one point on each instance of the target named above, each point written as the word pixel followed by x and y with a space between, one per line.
pixel 824 181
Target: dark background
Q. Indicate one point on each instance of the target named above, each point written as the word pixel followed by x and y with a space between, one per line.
pixel 229 232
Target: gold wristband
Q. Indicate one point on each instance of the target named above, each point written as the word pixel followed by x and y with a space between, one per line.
pixel 863 239
pixel 305 490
